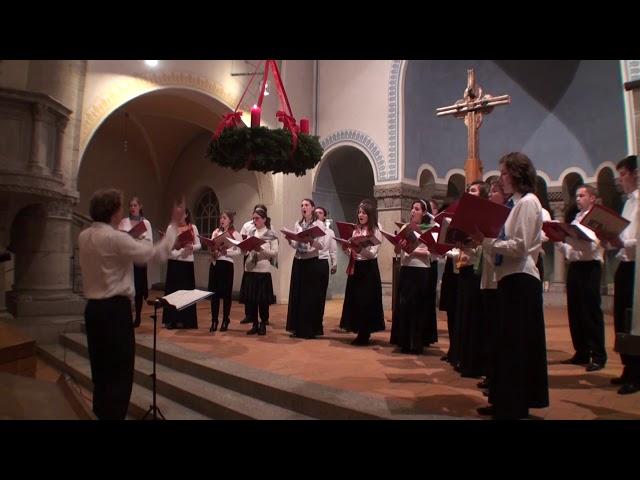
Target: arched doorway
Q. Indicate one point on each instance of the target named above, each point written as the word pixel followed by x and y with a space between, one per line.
pixel 154 147
pixel 343 179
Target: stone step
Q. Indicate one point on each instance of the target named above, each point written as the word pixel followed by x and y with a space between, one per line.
pixel 290 393
pixel 208 398
pixel 79 368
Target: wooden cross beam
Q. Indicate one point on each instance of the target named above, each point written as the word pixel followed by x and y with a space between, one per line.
pixel 472 107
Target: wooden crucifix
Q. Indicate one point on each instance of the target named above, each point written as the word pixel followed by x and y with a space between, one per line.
pixel 472 107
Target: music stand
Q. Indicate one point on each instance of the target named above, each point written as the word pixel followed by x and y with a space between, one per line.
pixel 154 407
pixel 201 295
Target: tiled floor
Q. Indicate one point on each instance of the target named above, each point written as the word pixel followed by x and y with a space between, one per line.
pixel 409 383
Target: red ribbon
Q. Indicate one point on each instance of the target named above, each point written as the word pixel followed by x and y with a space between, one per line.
pixel 289 123
pixel 229 120
pixel 351 268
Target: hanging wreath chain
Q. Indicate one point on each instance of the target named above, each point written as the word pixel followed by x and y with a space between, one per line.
pixel 264 150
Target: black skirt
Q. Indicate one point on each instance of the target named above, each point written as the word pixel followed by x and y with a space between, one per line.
pixel 448 287
pixel 362 308
pixel 258 288
pixel 520 379
pixel 221 279
pixel 140 280
pixel 489 321
pixel 469 321
pixel 306 297
pixel 432 320
pixel 180 276
pixel 410 327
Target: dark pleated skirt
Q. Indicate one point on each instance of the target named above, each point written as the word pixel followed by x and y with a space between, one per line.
pixel 258 288
pixel 180 276
pixel 448 287
pixel 140 280
pixel 221 279
pixel 469 320
pixel 520 380
pixel 306 298
pixel 490 321
pixel 362 308
pixel 432 322
pixel 412 313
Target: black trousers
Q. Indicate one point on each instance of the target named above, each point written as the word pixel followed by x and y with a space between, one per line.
pixel 586 322
pixel 622 302
pixel 111 352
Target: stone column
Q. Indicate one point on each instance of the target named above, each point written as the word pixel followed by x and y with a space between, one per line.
pixel 559 278
pixel 38 159
pixel 61 125
pixel 394 204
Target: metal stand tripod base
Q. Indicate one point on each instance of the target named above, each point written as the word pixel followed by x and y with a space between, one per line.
pixel 153 409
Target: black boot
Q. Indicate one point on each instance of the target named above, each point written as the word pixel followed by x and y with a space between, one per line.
pixel 225 324
pixel 254 329
pixel 262 329
pixel 214 325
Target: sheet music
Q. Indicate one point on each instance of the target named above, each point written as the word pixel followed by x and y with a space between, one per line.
pixel 184 298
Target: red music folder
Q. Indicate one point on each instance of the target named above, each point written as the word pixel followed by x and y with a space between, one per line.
pixel 345 229
pixel 474 212
pixel 405 233
pixel 217 243
pixel 250 243
pixel 304 236
pixel 362 241
pixel 430 239
pixel 557 231
pixel 605 222
pixel 184 239
pixel 138 230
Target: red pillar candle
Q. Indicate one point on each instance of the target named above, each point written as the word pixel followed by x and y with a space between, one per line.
pixel 304 125
pixel 255 116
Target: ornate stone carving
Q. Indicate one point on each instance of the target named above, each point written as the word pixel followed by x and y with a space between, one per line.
pixel 396 196
pixel 59 209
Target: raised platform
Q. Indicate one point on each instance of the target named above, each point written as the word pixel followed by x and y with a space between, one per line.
pixel 17 351
pixel 231 375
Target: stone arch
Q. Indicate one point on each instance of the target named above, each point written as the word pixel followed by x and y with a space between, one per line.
pixel 455 185
pixel 570 183
pixel 608 190
pixel 395 160
pixel 362 142
pixel 427 182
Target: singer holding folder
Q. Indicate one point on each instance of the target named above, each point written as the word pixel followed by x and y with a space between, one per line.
pixel 221 272
pixel 107 257
pixel 180 273
pixel 520 379
pixel 304 314
pixel 362 308
pixel 258 287
pixel 139 271
pixel 411 327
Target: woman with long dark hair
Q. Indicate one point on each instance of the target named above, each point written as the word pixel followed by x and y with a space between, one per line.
pixel 139 271
pixel 304 314
pixel 520 379
pixel 362 309
pixel 181 276
pixel 258 289
pixel 411 327
pixel 221 272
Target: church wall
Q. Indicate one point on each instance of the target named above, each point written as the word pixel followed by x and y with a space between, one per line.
pixel 563 113
pixel 14 74
pixel 353 95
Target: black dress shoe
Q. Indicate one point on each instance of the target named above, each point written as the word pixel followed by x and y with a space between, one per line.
pixel 214 326
pixel 489 410
pixel 575 360
pixel 245 320
pixel 593 366
pixel 225 325
pixel 361 342
pixel 483 384
pixel 444 358
pixel 254 329
pixel 617 380
pixel 629 387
